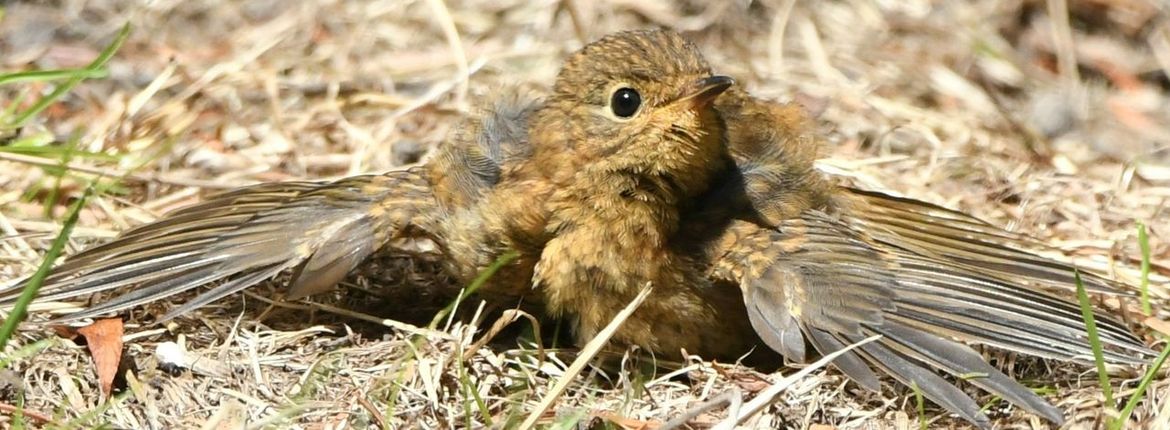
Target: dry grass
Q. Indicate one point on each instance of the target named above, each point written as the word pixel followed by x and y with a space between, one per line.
pixel 1057 127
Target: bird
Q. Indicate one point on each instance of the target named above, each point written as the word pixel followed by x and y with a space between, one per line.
pixel 641 166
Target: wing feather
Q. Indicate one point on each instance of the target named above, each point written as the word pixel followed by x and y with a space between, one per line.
pixel 242 237
pixel 923 277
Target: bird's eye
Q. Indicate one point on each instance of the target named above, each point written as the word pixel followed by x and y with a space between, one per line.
pixel 625 102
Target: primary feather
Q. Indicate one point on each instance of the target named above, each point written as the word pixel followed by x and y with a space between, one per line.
pixel 243 237
pixel 843 277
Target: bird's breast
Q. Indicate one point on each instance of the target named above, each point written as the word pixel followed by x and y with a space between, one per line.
pixel 604 250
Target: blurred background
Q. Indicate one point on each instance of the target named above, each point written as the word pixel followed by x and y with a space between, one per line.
pixel 1047 117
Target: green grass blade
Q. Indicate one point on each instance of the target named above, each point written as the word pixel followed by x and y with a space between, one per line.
pixel 471 394
pixel 475 285
pixel 51 75
pixel 56 152
pixel 96 65
pixel 921 403
pixel 27 351
pixel 1094 339
pixel 91 419
pixel 1140 391
pixel 20 309
pixel 18 415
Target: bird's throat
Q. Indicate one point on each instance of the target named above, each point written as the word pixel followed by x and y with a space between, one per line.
pixel 642 207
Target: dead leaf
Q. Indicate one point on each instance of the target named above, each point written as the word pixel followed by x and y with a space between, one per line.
pixel 104 338
pixel 64 331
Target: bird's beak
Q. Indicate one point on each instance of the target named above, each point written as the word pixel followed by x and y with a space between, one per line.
pixel 702 92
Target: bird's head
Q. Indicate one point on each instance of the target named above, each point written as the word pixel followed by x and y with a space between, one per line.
pixel 636 103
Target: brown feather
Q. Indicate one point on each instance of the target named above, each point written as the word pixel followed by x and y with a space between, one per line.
pixel 244 237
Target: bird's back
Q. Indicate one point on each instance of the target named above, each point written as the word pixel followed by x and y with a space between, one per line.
pixel 472 160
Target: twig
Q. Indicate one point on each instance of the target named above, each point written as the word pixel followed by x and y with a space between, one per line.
pixel 733 398
pixel 587 353
pixel 408 328
pixel 1062 41
pixel 765 397
pixel 456 45
pixel 13 410
pixel 510 316
pixel 377 416
pixel 738 413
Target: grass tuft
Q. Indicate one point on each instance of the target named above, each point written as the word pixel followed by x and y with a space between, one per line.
pixel 1139 393
pixel 471 394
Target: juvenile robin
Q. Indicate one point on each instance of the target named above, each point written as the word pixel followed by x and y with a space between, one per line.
pixel 642 167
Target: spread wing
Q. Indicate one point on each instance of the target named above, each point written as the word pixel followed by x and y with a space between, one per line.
pixel 922 277
pixel 319 230
pixel 322 230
